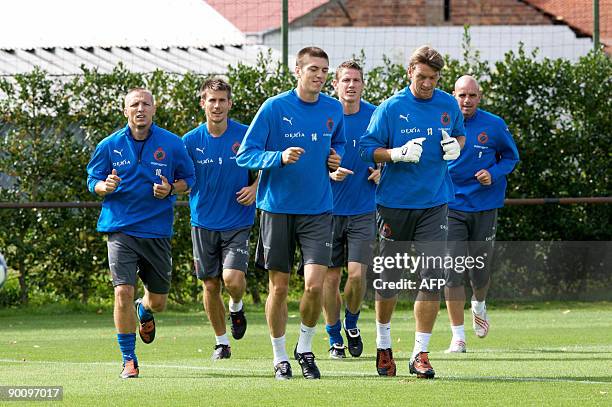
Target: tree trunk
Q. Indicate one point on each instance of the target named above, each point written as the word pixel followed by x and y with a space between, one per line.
pixel 255 294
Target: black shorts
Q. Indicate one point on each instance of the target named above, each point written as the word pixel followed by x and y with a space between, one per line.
pixel 280 233
pixel 471 235
pixel 215 251
pixel 353 240
pixel 418 233
pixel 148 258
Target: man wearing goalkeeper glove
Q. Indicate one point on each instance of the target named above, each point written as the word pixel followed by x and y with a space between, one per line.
pixel 415 132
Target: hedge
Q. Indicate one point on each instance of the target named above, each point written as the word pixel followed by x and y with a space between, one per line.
pixel 558 111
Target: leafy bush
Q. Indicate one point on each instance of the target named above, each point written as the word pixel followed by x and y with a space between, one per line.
pixel 559 113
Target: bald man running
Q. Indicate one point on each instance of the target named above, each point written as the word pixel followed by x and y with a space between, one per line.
pixel 479 178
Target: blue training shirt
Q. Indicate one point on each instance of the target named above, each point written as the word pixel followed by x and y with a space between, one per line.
pixel 285 121
pixel 213 197
pixel 132 208
pixel 355 194
pixel 488 145
pixel 399 119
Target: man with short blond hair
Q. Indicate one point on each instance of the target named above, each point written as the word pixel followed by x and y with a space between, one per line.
pixel 137 170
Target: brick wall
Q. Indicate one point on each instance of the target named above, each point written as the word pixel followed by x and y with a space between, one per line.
pixel 370 13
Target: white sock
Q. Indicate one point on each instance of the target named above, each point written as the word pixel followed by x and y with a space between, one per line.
pixel 305 340
pixel 383 335
pixel 278 347
pixel 421 342
pixel 234 306
pixel 458 333
pixel 478 306
pixel 222 340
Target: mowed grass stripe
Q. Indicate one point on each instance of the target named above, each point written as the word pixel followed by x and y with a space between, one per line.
pixel 336 372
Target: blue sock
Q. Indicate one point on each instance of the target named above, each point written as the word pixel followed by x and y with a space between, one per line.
pixel 350 319
pixel 334 333
pixel 143 313
pixel 127 345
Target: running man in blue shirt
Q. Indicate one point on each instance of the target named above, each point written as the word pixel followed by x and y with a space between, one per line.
pixel 411 132
pixel 479 177
pixel 354 214
pixel 222 212
pixel 296 138
pixel 137 170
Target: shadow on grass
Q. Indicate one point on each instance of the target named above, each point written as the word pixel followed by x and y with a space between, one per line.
pixel 535 379
pixel 259 374
pixel 520 360
pixel 584 352
pixel 93 320
pixel 297 375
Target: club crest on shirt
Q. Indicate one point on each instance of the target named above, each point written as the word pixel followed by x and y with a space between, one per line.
pixel 235 147
pixel 445 119
pixel 483 138
pixel 159 154
pixel 330 124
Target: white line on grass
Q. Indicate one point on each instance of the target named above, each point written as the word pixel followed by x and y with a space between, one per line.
pixel 352 374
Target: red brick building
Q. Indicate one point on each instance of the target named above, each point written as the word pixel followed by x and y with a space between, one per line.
pixel 256 16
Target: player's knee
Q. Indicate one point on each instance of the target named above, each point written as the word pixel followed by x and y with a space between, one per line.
pixel 235 281
pixel 354 278
pixel 124 296
pixel 356 271
pixel 313 289
pixel 235 286
pixel 279 290
pixel 212 285
pixel 332 278
pixel 454 293
pixel 157 305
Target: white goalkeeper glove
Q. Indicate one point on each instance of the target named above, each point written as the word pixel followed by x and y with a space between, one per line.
pixel 409 152
pixel 450 146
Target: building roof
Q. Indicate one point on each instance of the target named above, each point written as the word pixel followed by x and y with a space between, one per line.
pixel 254 16
pixel 175 36
pixel 28 24
pixel 68 61
pixel 578 14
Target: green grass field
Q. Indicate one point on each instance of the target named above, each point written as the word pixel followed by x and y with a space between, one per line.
pixel 554 355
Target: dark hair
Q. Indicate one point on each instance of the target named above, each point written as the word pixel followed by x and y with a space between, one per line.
pixel 350 64
pixel 428 56
pixel 313 52
pixel 215 84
